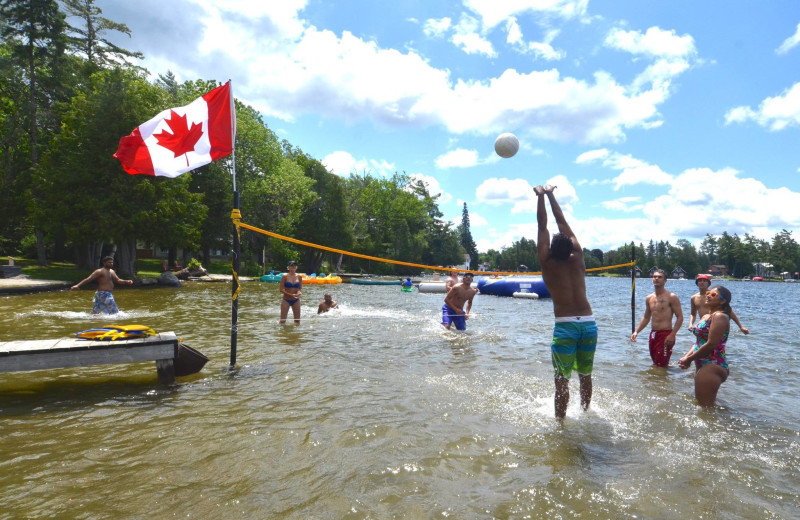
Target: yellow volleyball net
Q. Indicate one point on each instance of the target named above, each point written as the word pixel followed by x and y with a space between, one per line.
pixel 239 224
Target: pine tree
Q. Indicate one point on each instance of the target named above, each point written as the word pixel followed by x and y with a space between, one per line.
pixel 466 238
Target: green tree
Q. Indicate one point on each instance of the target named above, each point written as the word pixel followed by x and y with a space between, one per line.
pixel 325 221
pixel 466 238
pixel 709 248
pixel 785 252
pixel 35 32
pixel 105 204
pixel 274 190
pixel 88 41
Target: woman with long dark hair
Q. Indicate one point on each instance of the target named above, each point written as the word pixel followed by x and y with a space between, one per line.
pixel 708 352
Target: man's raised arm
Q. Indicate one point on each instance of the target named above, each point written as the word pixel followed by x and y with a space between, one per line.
pixel 563 227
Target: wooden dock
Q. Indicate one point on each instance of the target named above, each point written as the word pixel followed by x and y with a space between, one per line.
pixel 20 356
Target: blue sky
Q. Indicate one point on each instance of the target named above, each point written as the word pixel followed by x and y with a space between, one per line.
pixel 655 120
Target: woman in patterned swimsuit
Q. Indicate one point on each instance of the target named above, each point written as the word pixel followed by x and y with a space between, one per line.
pixel 290 286
pixel 708 353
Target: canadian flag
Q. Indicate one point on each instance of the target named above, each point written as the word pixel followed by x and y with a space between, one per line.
pixel 181 139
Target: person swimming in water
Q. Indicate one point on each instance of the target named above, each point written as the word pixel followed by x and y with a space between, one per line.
pixel 290 287
pixel 327 304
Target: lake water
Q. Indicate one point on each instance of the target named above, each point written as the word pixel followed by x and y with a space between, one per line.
pixel 373 411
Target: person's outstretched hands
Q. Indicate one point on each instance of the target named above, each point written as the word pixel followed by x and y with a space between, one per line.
pixel 538 190
pixel 549 188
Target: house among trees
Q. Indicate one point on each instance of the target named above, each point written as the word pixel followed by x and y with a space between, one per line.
pixel 718 270
pixel 679 273
pixel 637 271
pixel 764 270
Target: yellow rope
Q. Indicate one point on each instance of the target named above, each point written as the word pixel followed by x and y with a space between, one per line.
pixel 396 262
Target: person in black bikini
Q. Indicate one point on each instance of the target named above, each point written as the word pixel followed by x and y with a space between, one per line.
pixel 290 286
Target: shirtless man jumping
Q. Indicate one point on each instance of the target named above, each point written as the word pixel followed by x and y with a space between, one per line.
pixel 564 274
pixel 106 278
pixel 453 308
pixel 661 306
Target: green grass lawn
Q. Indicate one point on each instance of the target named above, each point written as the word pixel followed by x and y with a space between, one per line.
pixel 67 272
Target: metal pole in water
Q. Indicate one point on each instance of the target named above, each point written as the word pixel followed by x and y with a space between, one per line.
pixel 633 287
pixel 235 264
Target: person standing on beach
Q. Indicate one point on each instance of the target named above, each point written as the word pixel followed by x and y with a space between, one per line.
pixel 575 331
pixel 699 307
pixel 453 312
pixel 106 278
pixel 661 306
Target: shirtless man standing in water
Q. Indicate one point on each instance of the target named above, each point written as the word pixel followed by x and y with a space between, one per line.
pixel 699 307
pixel 453 308
pixel 575 331
pixel 661 306
pixel 106 278
pixel 451 282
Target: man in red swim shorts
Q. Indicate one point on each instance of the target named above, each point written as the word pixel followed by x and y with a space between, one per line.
pixel 661 306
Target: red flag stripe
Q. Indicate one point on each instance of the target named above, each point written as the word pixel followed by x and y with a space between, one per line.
pixel 219 121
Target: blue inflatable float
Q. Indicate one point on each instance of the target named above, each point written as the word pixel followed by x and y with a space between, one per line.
pixel 509 285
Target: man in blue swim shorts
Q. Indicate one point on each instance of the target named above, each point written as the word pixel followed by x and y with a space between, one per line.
pixel 106 278
pixel 453 312
pixel 575 331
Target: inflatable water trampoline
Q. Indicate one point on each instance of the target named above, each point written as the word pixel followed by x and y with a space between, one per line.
pixel 509 285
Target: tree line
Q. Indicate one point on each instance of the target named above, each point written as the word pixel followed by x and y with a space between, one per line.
pixel 67 95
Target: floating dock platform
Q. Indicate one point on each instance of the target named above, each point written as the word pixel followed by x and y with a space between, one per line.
pixel 21 356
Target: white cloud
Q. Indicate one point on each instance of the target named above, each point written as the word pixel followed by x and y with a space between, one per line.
pixel 624 204
pixel 434 188
pixel 493 12
pixel 592 155
pixel 459 158
pixel 790 42
pixel 696 202
pixel 519 194
pixel 632 171
pixel 437 28
pixel 775 113
pixel 343 164
pixel 722 201
pixel 467 37
pixel 286 68
pixel 655 43
pixel 542 49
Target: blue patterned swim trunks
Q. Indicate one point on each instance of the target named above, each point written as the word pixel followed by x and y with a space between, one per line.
pixel 104 303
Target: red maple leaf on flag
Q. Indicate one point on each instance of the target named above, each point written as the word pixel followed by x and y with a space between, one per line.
pixel 182 139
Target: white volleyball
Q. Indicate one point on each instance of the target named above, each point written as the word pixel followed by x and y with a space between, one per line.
pixel 506 145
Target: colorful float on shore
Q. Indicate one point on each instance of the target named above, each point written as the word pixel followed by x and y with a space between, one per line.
pixel 320 279
pixel 308 279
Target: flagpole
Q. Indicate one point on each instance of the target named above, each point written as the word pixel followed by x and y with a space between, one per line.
pixel 235 259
